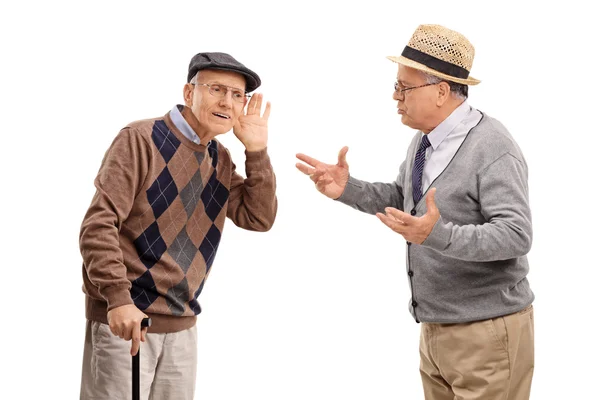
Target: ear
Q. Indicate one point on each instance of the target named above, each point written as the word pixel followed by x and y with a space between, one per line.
pixel 443 93
pixel 188 94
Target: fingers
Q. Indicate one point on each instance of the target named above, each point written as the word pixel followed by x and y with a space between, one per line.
pixel 398 215
pixel 322 182
pixel 430 202
pixel 305 169
pixel 267 111
pixel 309 160
pixel 318 175
pixel 144 331
pixel 251 104
pixel 342 157
pixel 255 104
pixel 135 339
pixel 393 224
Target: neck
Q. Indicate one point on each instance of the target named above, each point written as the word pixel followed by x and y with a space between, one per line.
pixel 442 113
pixel 191 119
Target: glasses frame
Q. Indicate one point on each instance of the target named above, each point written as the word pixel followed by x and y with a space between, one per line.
pixel 229 89
pixel 401 92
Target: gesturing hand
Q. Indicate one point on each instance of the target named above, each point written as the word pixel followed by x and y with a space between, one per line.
pixel 252 129
pixel 329 179
pixel 413 229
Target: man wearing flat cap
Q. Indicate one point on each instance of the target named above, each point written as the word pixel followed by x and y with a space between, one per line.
pixel 460 203
pixel 151 233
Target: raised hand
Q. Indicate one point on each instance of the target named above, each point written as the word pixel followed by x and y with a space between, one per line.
pixel 329 179
pixel 413 229
pixel 252 129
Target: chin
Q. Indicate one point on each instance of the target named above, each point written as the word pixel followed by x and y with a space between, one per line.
pixel 221 129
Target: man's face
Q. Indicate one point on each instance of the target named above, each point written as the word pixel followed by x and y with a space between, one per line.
pixel 416 106
pixel 216 114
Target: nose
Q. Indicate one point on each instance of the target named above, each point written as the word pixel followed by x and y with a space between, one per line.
pixel 398 96
pixel 227 100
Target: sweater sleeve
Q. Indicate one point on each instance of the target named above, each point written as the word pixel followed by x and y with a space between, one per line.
pixel 507 234
pixel 120 178
pixel 252 201
pixel 372 198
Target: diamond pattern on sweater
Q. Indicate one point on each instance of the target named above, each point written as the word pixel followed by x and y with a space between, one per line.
pixel 183 250
pixel 143 291
pixel 190 195
pixel 209 246
pixel 150 245
pixel 177 297
pixel 194 304
pixel 162 192
pixel 166 142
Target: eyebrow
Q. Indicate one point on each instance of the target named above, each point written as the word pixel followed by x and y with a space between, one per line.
pixel 230 87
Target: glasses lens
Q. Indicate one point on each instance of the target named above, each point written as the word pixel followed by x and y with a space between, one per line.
pixel 217 90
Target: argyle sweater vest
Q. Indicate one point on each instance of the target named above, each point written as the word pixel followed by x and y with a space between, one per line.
pixel 152 231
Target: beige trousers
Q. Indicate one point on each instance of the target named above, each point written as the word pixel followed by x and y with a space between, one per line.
pixel 167 365
pixel 485 360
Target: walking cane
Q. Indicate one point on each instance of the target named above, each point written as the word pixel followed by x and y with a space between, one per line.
pixel 135 367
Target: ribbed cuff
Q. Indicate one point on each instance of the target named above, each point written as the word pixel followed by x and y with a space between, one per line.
pixel 439 237
pixel 352 192
pixel 258 160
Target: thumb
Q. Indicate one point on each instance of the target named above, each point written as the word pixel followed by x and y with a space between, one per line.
pixel 430 202
pixel 342 157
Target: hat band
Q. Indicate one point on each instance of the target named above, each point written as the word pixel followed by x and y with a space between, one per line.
pixel 435 63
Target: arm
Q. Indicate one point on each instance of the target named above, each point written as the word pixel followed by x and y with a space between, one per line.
pixel 119 179
pixel 252 201
pixel 374 197
pixel 504 204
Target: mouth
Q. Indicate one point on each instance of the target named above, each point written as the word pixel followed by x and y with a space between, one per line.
pixel 221 115
pixel 401 112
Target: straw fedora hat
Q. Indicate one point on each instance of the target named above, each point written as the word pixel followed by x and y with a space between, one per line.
pixel 441 52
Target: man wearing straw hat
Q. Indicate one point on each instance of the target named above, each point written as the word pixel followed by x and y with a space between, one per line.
pixel 461 203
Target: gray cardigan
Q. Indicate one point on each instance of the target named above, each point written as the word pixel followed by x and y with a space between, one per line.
pixel 473 265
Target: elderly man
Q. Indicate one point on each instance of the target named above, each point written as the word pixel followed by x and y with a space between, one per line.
pixel 461 203
pixel 151 233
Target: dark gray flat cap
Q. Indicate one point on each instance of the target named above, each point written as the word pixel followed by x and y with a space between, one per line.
pixel 225 62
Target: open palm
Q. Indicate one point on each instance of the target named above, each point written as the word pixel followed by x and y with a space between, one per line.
pixel 329 179
pixel 251 128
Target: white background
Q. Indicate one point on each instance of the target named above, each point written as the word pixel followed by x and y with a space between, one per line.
pixel 317 307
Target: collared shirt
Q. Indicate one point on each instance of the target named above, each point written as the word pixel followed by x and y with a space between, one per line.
pixel 183 126
pixel 445 141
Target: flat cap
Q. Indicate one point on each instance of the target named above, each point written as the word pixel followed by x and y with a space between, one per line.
pixel 225 62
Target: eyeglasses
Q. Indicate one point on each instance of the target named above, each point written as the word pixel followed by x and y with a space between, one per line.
pixel 400 90
pixel 217 90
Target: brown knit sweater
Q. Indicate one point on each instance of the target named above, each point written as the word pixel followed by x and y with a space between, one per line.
pixel 151 233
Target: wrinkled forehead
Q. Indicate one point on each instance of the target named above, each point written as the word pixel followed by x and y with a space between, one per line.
pixel 227 78
pixel 409 75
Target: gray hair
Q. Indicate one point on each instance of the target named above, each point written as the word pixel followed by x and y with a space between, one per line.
pixel 195 78
pixel 458 90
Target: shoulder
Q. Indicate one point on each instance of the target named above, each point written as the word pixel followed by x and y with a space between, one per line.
pixel 491 139
pixel 145 127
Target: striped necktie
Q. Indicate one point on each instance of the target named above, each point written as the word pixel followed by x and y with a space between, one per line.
pixel 417 173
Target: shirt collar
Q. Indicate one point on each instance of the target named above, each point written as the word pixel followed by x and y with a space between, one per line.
pixel 181 124
pixel 437 136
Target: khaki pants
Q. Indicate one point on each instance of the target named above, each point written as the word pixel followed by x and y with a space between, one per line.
pixel 488 360
pixel 167 365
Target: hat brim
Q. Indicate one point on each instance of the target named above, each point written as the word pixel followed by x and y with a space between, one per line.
pixel 252 79
pixel 413 64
